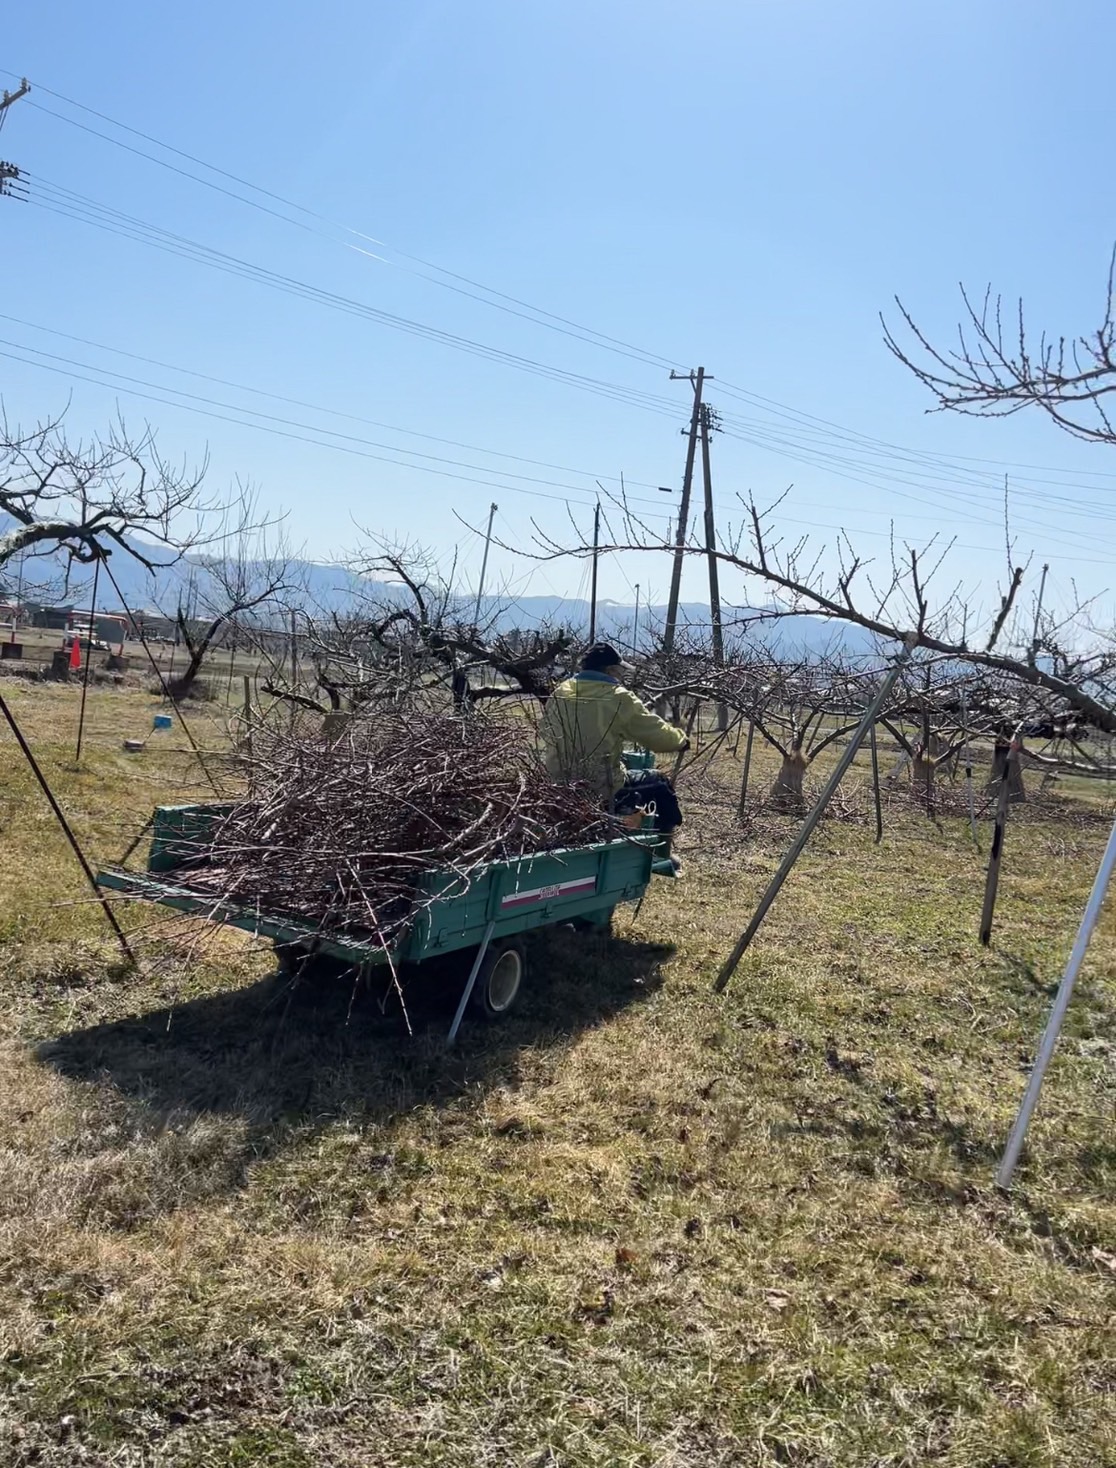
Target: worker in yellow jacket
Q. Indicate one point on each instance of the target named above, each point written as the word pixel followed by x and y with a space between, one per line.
pixel 590 717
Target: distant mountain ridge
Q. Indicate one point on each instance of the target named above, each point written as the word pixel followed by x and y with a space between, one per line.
pixel 329 588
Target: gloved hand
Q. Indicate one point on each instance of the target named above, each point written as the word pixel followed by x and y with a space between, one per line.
pixel 684 746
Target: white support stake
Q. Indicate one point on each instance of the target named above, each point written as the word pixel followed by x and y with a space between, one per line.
pixel 1057 1014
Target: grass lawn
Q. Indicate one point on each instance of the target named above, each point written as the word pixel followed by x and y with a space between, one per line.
pixel 636 1224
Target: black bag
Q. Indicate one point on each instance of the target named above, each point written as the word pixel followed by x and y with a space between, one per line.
pixel 642 788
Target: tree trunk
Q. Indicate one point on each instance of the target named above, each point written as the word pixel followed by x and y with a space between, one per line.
pixel 1000 761
pixel 923 766
pixel 786 793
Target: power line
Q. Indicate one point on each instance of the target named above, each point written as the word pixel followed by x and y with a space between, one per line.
pixel 501 300
pixel 268 427
pixel 314 407
pixel 539 315
pixel 784 410
pixel 66 203
pixel 155 236
pixel 76 206
pixel 353 450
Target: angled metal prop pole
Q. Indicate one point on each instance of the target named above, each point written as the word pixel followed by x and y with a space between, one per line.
pixel 799 843
pixel 1057 1014
pixel 470 984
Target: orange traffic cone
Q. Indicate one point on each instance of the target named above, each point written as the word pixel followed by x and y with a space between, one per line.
pixel 75 654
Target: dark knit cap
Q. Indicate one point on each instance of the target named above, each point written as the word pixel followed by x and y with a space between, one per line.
pixel 600 657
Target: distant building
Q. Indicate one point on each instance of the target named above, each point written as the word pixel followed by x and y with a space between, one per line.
pixel 54 619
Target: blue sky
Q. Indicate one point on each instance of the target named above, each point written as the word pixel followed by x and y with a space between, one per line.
pixel 741 185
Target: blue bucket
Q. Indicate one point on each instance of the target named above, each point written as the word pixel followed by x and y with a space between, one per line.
pixel 162 721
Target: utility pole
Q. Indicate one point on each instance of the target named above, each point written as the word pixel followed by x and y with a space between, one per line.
pixel 593 582
pixel 484 565
pixel 635 622
pixel 1038 615
pixel 9 98
pixel 9 174
pixel 708 422
pixel 698 381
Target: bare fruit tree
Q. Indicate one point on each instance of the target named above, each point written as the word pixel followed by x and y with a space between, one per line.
pixel 410 637
pixel 998 368
pixel 243 592
pixel 86 498
pixel 1063 669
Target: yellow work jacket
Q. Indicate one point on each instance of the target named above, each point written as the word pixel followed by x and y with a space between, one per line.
pixel 587 722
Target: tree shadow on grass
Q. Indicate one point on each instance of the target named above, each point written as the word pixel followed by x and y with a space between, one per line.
pixel 257 1067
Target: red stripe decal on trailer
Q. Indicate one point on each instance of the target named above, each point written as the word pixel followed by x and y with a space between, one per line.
pixel 544 894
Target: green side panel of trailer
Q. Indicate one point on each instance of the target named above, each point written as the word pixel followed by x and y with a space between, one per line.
pixel 453 910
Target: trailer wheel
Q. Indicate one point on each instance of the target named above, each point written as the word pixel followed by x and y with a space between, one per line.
pixel 500 979
pixel 595 922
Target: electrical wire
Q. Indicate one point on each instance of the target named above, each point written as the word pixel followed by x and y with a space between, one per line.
pixel 73 205
pixel 68 204
pixel 490 484
pixel 498 300
pixel 317 407
pixel 446 277
pixel 91 211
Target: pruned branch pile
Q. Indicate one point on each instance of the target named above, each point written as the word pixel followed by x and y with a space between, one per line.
pixel 339 834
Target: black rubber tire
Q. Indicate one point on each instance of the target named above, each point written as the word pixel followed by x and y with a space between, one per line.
pixel 500 980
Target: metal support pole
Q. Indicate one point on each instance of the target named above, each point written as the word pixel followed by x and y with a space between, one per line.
pixel 470 984
pixel 876 781
pixel 1057 1014
pixel 88 656
pixel 635 622
pixel 593 582
pixel 484 565
pixel 66 829
pixel 799 843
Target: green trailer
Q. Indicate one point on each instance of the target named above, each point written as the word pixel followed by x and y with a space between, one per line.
pixel 482 918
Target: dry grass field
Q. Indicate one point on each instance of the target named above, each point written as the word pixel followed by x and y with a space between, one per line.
pixel 637 1224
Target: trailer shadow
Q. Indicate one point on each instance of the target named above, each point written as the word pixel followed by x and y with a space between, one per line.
pixel 262 1067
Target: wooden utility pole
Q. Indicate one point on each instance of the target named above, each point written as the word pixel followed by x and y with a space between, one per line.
pixel 698 381
pixel 711 555
pixel 9 174
pixel 1038 614
pixel 9 98
pixel 593 583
